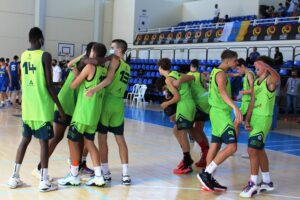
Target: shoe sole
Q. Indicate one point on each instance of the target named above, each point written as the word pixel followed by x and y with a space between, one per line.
pixel 49 190
pixel 254 193
pixel 266 190
pixel 97 185
pixel 69 184
pixel 203 184
pixel 126 184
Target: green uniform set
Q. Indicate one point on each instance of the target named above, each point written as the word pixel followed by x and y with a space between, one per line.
pixel 67 98
pixel 87 110
pixel 246 98
pixel 200 97
pixel 112 116
pixel 220 113
pixel 37 104
pixel 261 119
pixel 185 109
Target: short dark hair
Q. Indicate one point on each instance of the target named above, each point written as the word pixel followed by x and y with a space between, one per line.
pixel 267 60
pixel 195 63
pixel 122 44
pixel 164 63
pixel 160 83
pixel 2 60
pixel 100 49
pixel 35 34
pixel 241 62
pixel 227 54
pixel 55 61
pixel 7 59
pixel 16 57
pixel 88 49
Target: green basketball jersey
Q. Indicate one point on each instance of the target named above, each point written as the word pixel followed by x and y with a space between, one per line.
pixel 184 88
pixel 214 97
pixel 200 95
pixel 37 104
pixel 87 110
pixel 67 96
pixel 118 86
pixel 264 99
pixel 246 86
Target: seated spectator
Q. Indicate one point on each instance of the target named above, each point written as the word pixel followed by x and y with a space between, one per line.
pixel 292 7
pixel 226 19
pixel 278 58
pixel 253 56
pixel 270 12
pixel 281 10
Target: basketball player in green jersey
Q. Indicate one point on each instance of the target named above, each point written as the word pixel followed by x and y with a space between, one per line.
pixel 37 106
pixel 112 116
pixel 67 98
pixel 259 115
pixel 223 130
pixel 185 112
pixel 248 83
pixel 200 97
pixel 85 119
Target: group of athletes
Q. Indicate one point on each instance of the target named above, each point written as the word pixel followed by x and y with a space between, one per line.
pixel 9 81
pixel 189 105
pixel 91 101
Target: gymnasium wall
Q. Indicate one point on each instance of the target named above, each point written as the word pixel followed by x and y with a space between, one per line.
pixel 68 21
pixel 16 18
pixel 204 9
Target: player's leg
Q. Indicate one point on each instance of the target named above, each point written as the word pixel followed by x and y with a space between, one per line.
pixel 74 138
pixel 266 183
pixel 97 179
pixel 15 180
pixel 83 166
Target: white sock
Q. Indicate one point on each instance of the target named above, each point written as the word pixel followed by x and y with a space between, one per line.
pixel 254 178
pixel 74 170
pixel 16 170
pixel 125 169
pixel 105 168
pixel 9 99
pixel 97 170
pixel 266 177
pixel 83 159
pixel 2 102
pixel 44 174
pixel 211 167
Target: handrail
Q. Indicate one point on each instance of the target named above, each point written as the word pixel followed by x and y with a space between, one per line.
pixel 221 25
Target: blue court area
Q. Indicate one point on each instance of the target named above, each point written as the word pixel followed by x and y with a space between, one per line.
pixel 275 141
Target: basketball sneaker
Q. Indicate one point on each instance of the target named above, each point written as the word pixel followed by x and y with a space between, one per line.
pixel 250 190
pixel 85 171
pixel 37 174
pixel 202 162
pixel 126 180
pixel 217 186
pixel 46 186
pixel 206 180
pixel 96 181
pixel 107 177
pixel 183 170
pixel 266 187
pixel 14 182
pixel 69 180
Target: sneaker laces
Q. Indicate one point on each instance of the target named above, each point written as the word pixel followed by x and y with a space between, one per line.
pixel 249 185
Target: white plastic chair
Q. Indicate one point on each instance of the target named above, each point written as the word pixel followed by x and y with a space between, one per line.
pixel 134 92
pixel 140 96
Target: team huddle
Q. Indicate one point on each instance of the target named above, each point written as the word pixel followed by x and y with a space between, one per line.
pixel 90 90
pixel 189 104
pixel 91 104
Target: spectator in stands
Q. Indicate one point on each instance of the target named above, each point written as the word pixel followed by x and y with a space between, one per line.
pixel 281 10
pixel 216 14
pixel 292 94
pixel 56 72
pixel 270 12
pixel 140 73
pixel 7 60
pixel 292 7
pixel 226 19
pixel 278 58
pixel 253 56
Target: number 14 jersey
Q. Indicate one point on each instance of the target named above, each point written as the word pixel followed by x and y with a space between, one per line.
pixel 37 105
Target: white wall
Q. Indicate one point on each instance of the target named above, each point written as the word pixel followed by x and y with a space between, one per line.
pixel 161 13
pixel 68 21
pixel 123 20
pixel 204 9
pixel 16 18
pixel 108 23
